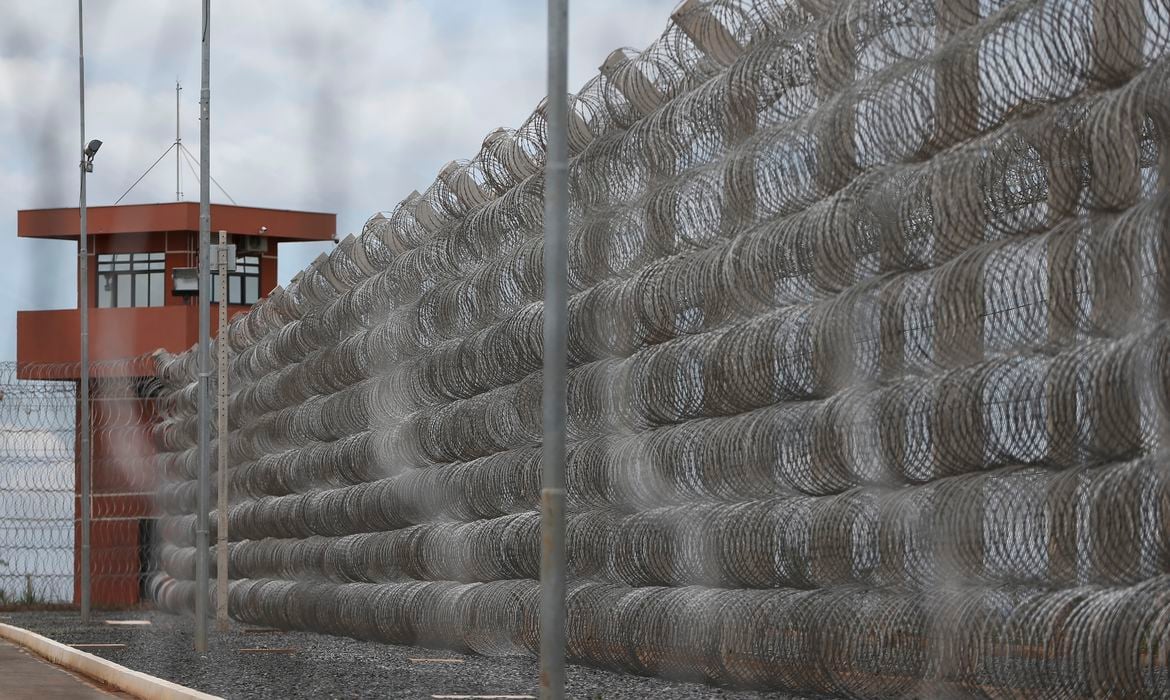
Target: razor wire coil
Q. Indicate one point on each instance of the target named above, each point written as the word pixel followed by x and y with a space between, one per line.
pixel 868 368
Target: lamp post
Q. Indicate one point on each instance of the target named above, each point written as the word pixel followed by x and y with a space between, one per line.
pixel 556 199
pixel 202 587
pixel 87 155
pixel 88 151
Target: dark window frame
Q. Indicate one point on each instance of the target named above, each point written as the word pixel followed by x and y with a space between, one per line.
pixel 130 280
pixel 243 283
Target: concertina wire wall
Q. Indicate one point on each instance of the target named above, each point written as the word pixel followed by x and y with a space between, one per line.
pixel 868 368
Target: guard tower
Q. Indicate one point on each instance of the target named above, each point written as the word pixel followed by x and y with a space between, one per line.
pixel 134 252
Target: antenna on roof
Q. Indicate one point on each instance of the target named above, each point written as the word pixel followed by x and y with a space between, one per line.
pixel 181 153
pixel 178 145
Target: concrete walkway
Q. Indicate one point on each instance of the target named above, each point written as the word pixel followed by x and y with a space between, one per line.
pixel 25 676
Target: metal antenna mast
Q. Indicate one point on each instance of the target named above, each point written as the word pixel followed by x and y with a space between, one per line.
pixel 178 145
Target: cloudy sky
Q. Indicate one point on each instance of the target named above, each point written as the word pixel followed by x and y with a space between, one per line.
pixel 327 105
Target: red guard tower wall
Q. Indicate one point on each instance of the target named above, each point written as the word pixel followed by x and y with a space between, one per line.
pixel 121 343
pixel 123 482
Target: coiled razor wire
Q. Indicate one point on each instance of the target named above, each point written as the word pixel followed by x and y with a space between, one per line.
pixel 869 368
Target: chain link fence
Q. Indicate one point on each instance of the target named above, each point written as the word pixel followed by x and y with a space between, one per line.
pixel 869 362
pixel 40 488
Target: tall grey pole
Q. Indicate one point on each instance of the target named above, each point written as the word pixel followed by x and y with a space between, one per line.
pixel 202 589
pixel 83 381
pixel 556 269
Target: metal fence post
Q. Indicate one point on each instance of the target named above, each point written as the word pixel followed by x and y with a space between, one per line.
pixel 221 417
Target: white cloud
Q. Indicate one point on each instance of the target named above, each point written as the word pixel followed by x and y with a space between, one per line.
pixel 333 106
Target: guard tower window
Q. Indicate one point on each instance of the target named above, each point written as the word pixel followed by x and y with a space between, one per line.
pixel 243 284
pixel 130 279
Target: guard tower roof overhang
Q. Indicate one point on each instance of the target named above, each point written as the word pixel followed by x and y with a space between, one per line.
pixel 279 224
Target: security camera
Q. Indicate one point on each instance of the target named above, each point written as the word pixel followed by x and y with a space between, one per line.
pixel 263 229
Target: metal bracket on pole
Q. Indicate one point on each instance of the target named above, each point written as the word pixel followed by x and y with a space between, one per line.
pixel 217 252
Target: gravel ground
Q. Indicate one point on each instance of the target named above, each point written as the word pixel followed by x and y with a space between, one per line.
pixel 330 667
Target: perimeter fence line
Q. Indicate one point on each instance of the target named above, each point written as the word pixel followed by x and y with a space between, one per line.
pixel 869 368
